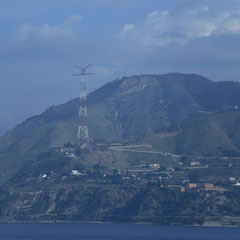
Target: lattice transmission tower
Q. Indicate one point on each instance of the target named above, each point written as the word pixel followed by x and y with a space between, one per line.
pixel 82 134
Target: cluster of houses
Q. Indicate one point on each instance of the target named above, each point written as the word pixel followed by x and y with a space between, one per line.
pixel 203 187
pixel 149 172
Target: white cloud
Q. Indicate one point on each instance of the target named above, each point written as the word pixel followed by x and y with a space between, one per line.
pixel 128 27
pixel 47 31
pixel 160 28
pixel 124 32
pixel 157 13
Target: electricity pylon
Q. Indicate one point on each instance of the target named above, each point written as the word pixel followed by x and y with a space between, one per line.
pixel 82 135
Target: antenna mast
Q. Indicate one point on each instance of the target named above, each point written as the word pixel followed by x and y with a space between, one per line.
pixel 82 135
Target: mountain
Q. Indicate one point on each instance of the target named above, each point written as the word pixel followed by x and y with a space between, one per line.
pixel 166 150
pixel 131 107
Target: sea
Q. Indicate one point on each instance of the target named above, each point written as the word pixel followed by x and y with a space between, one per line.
pixel 82 231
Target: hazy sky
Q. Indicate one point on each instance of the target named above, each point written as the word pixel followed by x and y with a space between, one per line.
pixel 41 40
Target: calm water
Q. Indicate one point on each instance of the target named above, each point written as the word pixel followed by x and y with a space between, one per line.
pixel 113 231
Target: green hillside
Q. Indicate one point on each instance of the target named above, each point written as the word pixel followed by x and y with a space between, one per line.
pixel 202 135
pixel 162 124
pixel 46 190
pixel 130 107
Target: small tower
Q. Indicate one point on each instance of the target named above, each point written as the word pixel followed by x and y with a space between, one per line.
pixel 82 135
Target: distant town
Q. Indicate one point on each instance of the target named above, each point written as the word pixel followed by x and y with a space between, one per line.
pixel 183 176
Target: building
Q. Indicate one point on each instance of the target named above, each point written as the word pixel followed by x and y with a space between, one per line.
pixel 209 187
pixel 195 164
pixel 192 185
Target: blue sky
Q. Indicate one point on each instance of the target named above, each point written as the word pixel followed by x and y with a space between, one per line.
pixel 41 40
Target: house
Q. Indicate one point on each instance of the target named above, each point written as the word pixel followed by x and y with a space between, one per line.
pixel 182 189
pixel 193 164
pixel 192 185
pixel 154 165
pixel 232 179
pixel 209 187
pixel 75 173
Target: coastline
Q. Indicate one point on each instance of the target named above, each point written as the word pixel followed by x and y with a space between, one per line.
pixel 205 225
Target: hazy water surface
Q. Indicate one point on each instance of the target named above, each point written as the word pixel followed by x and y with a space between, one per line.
pixel 113 231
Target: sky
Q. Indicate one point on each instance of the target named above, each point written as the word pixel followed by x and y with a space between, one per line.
pixel 42 40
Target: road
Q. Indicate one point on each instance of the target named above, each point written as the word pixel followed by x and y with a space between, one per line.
pixel 127 149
